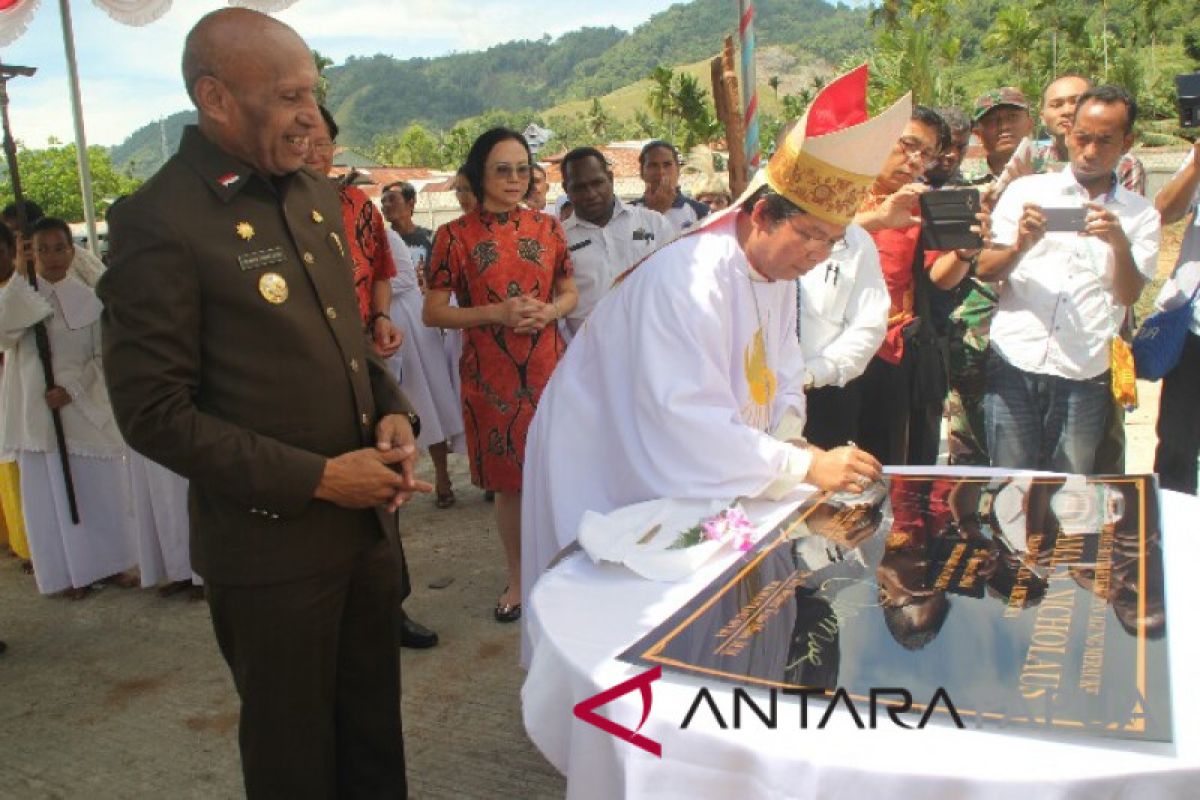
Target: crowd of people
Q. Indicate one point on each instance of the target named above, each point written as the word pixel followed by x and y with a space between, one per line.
pixel 269 341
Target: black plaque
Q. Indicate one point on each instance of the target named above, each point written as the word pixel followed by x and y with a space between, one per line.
pixel 1030 601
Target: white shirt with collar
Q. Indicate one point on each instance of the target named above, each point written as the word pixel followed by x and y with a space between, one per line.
pixel 601 253
pixel 1057 312
pixel 843 307
pixel 1186 278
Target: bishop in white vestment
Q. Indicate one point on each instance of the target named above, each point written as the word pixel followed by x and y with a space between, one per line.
pixel 686 381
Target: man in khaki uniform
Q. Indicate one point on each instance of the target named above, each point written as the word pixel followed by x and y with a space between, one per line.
pixel 235 356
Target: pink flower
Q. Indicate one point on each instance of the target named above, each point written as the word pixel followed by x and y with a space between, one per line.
pixel 730 525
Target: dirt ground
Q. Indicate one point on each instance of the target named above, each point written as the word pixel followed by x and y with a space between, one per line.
pixel 124 694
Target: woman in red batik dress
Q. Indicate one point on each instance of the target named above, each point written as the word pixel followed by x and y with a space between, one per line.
pixel 509 269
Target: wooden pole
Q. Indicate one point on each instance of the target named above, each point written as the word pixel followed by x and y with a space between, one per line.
pixel 728 104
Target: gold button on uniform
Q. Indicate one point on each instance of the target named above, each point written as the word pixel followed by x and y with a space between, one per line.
pixel 308 258
pixel 354 365
pixel 331 312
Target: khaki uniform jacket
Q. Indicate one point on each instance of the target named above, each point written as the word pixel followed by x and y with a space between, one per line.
pixel 236 357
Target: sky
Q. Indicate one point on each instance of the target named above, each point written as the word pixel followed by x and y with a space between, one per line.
pixel 130 76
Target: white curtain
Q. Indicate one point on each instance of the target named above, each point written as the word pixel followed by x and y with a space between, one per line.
pixel 134 12
pixel 14 19
pixel 16 14
pixel 265 6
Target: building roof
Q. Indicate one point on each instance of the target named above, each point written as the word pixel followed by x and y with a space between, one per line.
pixel 623 159
pixel 372 180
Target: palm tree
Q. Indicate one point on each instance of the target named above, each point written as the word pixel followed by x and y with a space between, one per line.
pixel 1013 34
pixel 661 98
pixel 598 119
pixel 773 82
pixel 690 102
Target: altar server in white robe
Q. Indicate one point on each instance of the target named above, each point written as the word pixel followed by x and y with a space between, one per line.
pixel 686 381
pixel 424 372
pixel 160 506
pixel 66 556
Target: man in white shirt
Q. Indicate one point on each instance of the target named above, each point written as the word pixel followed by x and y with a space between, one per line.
pixel 842 309
pixel 1178 421
pixel 1064 293
pixel 605 236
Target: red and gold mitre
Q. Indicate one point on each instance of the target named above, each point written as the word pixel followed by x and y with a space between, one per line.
pixel 835 152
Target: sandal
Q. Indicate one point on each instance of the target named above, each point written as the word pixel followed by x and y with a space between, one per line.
pixel 445 499
pixel 507 612
pixel 77 593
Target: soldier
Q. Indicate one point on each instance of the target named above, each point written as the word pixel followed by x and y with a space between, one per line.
pixel 235 356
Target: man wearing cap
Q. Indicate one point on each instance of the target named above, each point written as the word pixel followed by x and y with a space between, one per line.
pixel 687 380
pixel 659 165
pixel 1002 120
pixel 1064 291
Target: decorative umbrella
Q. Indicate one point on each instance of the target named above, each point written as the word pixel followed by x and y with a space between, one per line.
pixel 15 16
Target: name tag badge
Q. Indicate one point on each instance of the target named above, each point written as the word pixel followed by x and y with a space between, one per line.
pixel 261 258
pixel 579 245
pixel 643 235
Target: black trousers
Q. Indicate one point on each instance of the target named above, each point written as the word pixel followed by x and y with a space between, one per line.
pixel 831 415
pixel 317 669
pixel 1179 422
pixel 884 416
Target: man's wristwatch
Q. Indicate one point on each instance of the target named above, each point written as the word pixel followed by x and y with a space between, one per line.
pixel 414 422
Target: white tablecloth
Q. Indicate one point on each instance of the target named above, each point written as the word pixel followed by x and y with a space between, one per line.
pixel 583 615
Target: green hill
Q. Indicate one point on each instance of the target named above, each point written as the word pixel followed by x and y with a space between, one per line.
pixel 375 95
pixel 148 147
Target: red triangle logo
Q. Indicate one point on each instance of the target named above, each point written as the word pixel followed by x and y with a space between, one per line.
pixel 586 710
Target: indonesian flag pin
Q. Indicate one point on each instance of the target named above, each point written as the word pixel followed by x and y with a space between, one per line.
pixel 228 179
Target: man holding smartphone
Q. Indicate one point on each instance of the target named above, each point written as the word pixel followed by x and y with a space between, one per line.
pixel 1064 292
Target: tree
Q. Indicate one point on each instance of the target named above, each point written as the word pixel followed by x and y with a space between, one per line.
pixel 415 146
pixel 1013 36
pixel 598 120
pixel 50 177
pixel 691 104
pixel 662 98
pixel 773 82
pixel 321 62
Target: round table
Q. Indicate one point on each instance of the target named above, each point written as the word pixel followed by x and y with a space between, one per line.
pixel 582 615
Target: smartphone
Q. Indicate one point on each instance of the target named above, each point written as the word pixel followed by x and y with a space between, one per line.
pixel 1065 220
pixel 946 219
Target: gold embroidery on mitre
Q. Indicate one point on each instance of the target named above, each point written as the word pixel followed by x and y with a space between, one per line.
pixel 827 192
pixel 761 380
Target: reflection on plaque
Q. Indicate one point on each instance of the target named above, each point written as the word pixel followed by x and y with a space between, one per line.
pixel 1029 601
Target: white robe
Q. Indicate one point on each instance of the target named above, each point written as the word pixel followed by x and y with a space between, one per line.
pixel 65 555
pixel 161 507
pixel 421 364
pixel 661 394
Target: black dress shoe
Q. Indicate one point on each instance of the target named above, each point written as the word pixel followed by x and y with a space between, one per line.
pixel 416 635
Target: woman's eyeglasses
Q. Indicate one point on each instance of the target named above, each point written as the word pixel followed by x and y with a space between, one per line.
pixel 510 171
